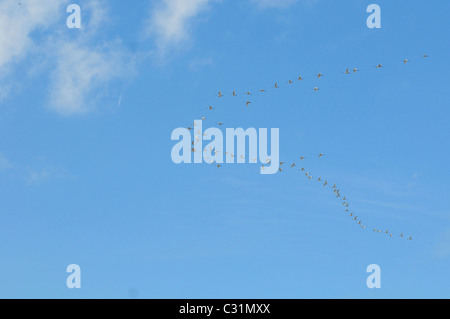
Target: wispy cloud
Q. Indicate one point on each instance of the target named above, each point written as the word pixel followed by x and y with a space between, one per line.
pixel 4 91
pixel 171 20
pixel 198 64
pixel 442 249
pixel 38 176
pixel 83 75
pixel 263 4
pixel 17 22
pixel 85 71
pixel 4 163
pixel 84 64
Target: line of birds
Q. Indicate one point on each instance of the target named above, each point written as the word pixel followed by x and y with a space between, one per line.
pixel 334 188
pixel 300 78
pixel 338 194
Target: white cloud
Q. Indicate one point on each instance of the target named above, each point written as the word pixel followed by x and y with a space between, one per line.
pixel 83 75
pixel 82 68
pixel 170 20
pixel 85 70
pixel 17 22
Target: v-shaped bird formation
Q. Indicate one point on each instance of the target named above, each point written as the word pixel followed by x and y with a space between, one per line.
pixel 327 185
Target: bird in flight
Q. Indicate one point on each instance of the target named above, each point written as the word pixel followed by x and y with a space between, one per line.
pixel 355 70
pixel 319 75
pixel 316 89
pixel 405 61
pixel 347 71
pixel 276 86
pixel 234 93
pixel 220 94
pixel 300 78
pixel 379 66
pixel 320 155
pixel 248 103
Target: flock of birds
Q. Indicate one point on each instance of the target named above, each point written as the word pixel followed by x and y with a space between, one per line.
pixel 348 71
pixel 335 189
pixel 343 199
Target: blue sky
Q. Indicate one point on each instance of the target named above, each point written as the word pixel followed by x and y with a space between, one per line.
pixel 86 175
